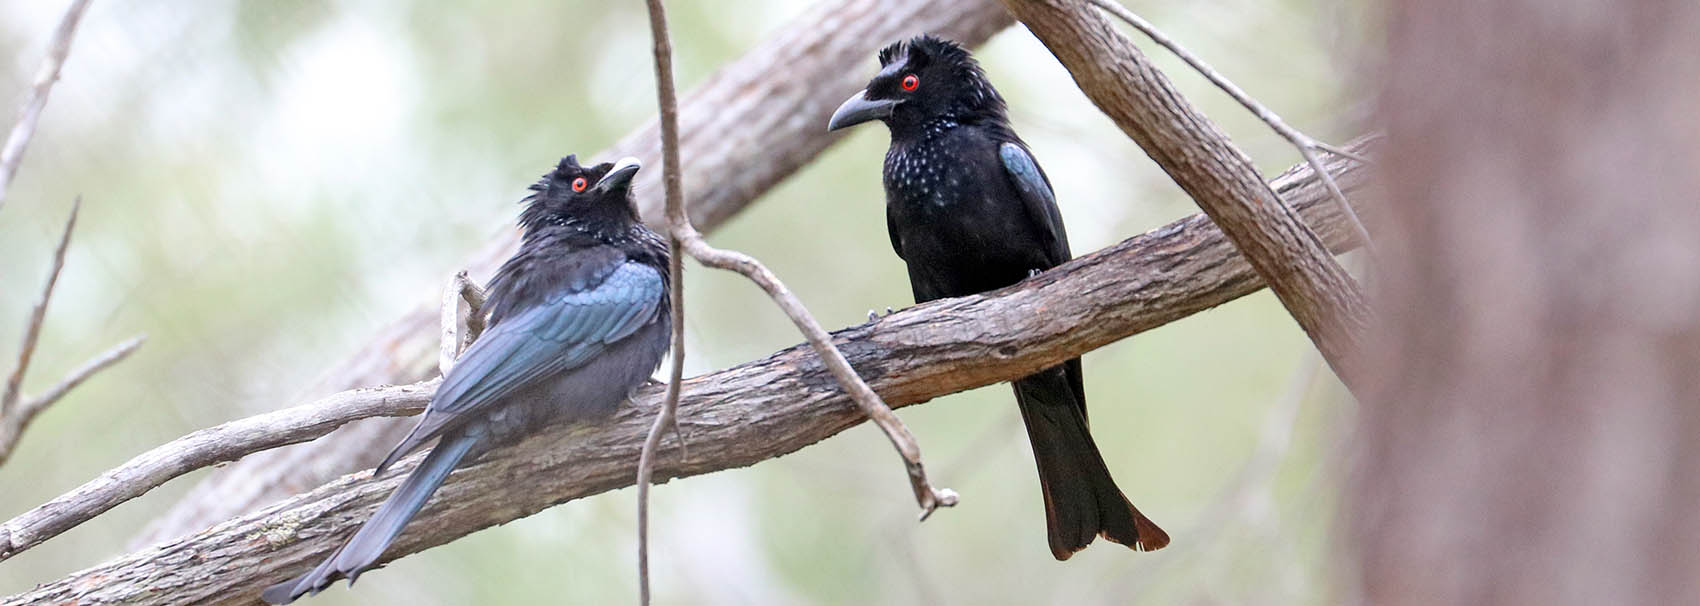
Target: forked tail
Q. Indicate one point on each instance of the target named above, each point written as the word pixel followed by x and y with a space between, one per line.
pixel 361 551
pixel 1082 501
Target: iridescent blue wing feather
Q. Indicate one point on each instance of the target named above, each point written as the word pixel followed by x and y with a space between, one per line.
pixel 563 332
pixel 1041 204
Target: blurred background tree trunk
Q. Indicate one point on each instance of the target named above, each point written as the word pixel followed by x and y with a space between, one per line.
pixel 1534 437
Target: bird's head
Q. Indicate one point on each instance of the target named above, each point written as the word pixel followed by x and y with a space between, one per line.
pixel 921 79
pixel 595 198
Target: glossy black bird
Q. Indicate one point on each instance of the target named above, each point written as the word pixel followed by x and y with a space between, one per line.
pixel 969 210
pixel 578 319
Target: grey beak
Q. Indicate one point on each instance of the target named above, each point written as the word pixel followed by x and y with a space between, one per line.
pixel 859 109
pixel 621 175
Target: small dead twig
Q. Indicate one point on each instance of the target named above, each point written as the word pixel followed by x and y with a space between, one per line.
pixel 685 238
pixel 1306 144
pixel 16 411
pixel 462 319
pixel 13 153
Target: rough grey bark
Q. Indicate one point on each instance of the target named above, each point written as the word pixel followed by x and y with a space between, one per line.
pixel 1122 82
pixel 736 417
pixel 729 135
pixel 1533 433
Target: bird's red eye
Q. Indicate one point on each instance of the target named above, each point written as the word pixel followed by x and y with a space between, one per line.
pixel 910 82
pixel 579 184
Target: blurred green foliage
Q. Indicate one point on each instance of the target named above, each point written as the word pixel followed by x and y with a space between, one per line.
pixel 265 182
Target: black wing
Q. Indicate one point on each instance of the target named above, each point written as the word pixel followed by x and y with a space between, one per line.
pixel 1035 190
pixel 1041 205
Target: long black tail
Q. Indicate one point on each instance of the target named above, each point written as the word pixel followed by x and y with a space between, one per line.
pixel 1081 499
pixel 360 552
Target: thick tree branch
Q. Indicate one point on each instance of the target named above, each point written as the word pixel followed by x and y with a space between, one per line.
pixel 12 153
pixel 1122 82
pixel 729 136
pixel 738 416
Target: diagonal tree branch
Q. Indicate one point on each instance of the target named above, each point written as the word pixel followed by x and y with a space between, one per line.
pixel 728 136
pixel 738 416
pixel 12 153
pixel 1122 82
pixel 1306 145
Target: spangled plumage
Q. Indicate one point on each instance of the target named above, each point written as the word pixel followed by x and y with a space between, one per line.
pixel 578 318
pixel 969 210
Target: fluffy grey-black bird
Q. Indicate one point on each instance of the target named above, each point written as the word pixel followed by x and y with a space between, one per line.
pixel 578 319
pixel 969 210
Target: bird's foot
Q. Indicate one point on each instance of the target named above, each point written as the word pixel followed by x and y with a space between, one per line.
pixel 679 433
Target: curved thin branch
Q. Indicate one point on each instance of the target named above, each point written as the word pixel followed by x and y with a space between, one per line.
pixel 32 330
pixel 740 416
pixel 677 222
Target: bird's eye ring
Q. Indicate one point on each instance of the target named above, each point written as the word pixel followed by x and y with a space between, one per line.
pixel 911 82
pixel 579 184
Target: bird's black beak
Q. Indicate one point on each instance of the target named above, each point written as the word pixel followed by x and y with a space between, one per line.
pixel 859 109
pixel 620 177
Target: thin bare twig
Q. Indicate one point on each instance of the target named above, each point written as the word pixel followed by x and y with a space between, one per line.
pixel 13 153
pixel 32 331
pixel 76 377
pixel 16 411
pixel 677 222
pixel 1306 145
pixel 460 328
